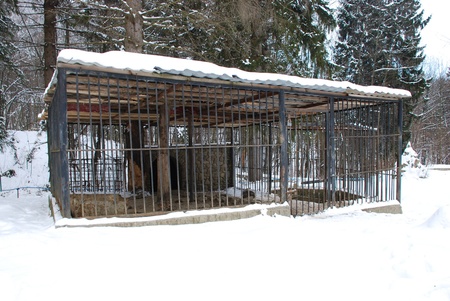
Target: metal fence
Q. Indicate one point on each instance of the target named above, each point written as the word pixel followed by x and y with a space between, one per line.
pixel 142 146
pixel 345 156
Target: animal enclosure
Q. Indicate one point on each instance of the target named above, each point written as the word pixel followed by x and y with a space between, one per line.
pixel 133 141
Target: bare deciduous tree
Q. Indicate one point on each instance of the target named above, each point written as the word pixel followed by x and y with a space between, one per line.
pixel 431 132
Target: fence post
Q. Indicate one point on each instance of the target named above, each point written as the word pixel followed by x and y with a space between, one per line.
pixel 57 144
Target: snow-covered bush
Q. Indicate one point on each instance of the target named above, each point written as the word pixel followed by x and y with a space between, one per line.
pixel 411 163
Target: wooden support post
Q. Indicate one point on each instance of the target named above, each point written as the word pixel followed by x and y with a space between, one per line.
pixel 59 166
pixel 284 173
pixel 254 154
pixel 163 160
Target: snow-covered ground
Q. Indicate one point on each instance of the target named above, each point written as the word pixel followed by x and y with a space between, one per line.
pixel 341 254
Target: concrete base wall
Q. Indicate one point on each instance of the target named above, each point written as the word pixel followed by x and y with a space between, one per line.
pixel 203 217
pixel 392 209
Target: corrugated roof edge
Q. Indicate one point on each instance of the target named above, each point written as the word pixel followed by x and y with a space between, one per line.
pixel 146 63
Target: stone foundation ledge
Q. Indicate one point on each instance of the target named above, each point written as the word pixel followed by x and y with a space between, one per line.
pixel 180 218
pixel 392 208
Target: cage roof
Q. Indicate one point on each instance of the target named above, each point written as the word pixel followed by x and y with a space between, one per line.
pixel 156 65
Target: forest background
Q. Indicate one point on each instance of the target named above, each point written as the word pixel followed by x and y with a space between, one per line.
pixel 368 42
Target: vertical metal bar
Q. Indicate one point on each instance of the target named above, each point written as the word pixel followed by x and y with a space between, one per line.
pixel 191 152
pixel 270 164
pixel 202 150
pixel 228 133
pixel 131 161
pixel 123 143
pixel 254 143
pixel 338 156
pixel 101 149
pixel 240 142
pixel 169 145
pixel 295 161
pixel 332 151
pixel 263 142
pixel 153 183
pixel 361 147
pixel 91 152
pixel 187 152
pixel 141 146
pixel 378 153
pixel 220 141
pixel 369 150
pixel 368 158
pixel 284 148
pixel 80 153
pixel 392 130
pixel 383 146
pixel 159 111
pixel 265 159
pixel 399 149
pixel 343 152
pixel 233 153
pixel 150 141
pixel 146 144
pixel 245 143
pixel 210 141
pixel 175 146
pixel 113 148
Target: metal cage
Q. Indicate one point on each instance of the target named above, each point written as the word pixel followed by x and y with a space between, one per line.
pixel 132 145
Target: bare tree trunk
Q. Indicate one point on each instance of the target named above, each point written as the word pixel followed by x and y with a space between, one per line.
pixel 134 34
pixel 163 161
pixel 134 41
pixel 254 157
pixel 50 37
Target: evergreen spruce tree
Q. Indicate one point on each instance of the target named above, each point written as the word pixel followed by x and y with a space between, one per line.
pixel 301 39
pixel 257 35
pixel 272 36
pixel 379 44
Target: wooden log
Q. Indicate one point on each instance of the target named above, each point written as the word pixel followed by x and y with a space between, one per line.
pixel 163 160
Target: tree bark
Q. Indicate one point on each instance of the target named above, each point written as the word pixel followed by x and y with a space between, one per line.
pixel 164 184
pixel 254 155
pixel 134 33
pixel 133 42
pixel 50 37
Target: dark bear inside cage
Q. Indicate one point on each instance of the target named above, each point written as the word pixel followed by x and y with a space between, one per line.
pixel 127 143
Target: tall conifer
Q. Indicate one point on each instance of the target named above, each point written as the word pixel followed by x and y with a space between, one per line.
pixel 379 44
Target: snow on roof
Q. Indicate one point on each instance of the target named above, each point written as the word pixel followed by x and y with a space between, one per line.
pixel 156 64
